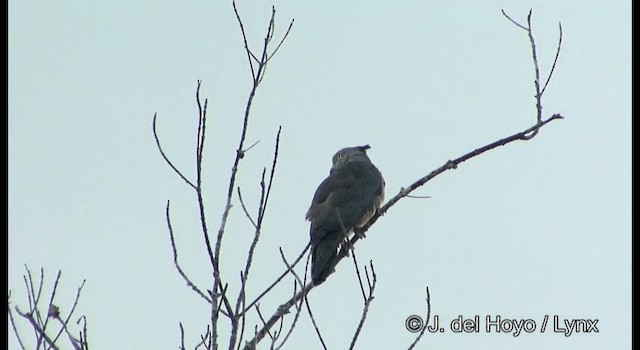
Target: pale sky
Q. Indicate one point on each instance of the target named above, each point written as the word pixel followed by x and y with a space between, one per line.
pixel 532 229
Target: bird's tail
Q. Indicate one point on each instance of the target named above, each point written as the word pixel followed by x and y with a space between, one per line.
pixel 323 259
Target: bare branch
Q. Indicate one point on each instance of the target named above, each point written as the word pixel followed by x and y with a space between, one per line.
pixel 313 320
pixel 73 308
pixel 244 208
pixel 244 39
pixel 155 134
pixel 426 324
pixel 537 72
pixel 355 264
pixel 514 22
pixel 367 302
pixel 295 317
pixel 181 337
pixel 268 289
pixel 13 324
pixel 290 268
pixel 271 174
pixel 53 294
pixel 555 60
pixel 262 319
pixel 281 41
pixel 175 259
pixel 36 327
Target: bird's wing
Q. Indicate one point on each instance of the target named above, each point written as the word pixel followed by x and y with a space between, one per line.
pixel 351 191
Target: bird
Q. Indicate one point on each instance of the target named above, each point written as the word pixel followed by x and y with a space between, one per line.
pixel 346 199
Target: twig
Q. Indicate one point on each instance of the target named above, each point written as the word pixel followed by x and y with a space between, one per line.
pixel 244 208
pixel 164 156
pixel 13 325
pixel 555 60
pixel 367 302
pixel 281 41
pixel 426 324
pixel 295 317
pixel 268 289
pixel 262 319
pixel 537 70
pixel 181 337
pixel 53 295
pixel 175 259
pixel 203 339
pixel 264 201
pixel 290 268
pixel 73 308
pixel 213 258
pixel 514 22
pixel 37 328
pixel 313 320
pixel 355 264
pixel 244 38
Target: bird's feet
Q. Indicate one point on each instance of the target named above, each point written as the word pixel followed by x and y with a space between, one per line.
pixel 359 233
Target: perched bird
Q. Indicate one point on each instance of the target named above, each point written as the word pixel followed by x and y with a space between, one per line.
pixel 346 199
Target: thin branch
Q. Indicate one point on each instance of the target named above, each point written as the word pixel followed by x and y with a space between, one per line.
pixel 298 308
pixel 365 310
pixel 281 41
pixel 244 39
pixel 73 308
pixel 268 289
pixel 203 339
pixel 426 324
pixel 355 264
pixel 214 258
pixel 34 310
pixel 244 208
pixel 244 151
pixel 53 294
pixel 555 60
pixel 280 312
pixel 13 325
pixel 181 337
pixel 514 22
pixel 202 118
pixel 245 275
pixel 271 174
pixel 313 320
pixel 262 319
pixel 537 73
pixel 242 317
pixel 37 329
pixel 175 258
pixel 155 134
pixel 83 333
pixel 290 268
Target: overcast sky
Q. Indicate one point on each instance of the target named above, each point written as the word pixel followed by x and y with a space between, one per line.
pixel 534 229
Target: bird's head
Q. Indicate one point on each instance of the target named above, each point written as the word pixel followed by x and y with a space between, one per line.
pixel 350 154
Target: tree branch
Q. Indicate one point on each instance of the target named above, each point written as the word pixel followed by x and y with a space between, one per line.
pixel 426 323
pixel 371 282
pixel 524 135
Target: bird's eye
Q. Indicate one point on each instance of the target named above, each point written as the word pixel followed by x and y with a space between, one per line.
pixel 339 156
